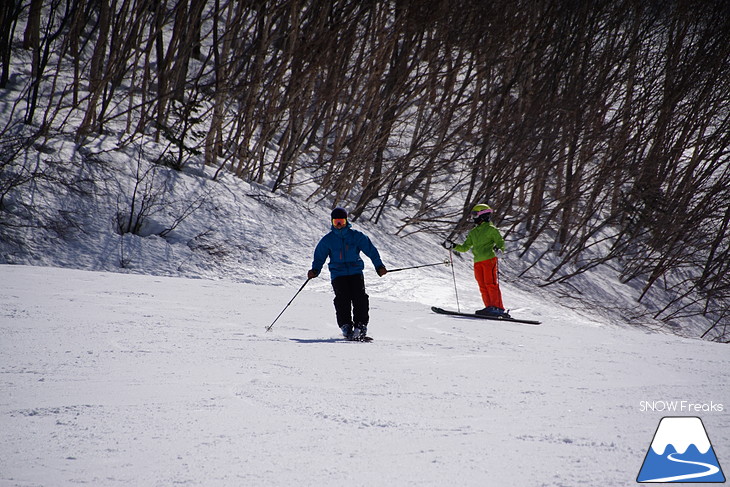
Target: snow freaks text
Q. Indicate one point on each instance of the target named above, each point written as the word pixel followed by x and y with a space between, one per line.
pixel 678 406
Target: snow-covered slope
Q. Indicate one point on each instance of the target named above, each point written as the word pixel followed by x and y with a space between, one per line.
pixel 123 379
pixel 192 225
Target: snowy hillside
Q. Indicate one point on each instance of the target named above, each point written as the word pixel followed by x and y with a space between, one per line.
pixel 186 224
pixel 155 369
pixel 137 273
pixel 88 181
pixel 123 379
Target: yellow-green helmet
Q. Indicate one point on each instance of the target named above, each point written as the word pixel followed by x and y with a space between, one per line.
pixel 481 213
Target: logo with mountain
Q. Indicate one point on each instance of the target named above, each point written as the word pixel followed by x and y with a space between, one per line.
pixel 681 452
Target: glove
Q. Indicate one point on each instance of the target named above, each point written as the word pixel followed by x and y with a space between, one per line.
pixel 312 273
pixel 381 271
pixel 448 244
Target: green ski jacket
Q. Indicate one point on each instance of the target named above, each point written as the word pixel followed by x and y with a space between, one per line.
pixel 482 240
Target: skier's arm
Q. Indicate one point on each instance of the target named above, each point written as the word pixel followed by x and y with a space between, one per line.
pixel 321 252
pixel 498 240
pixel 369 249
pixel 465 246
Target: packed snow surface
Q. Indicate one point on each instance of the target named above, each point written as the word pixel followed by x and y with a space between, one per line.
pixel 121 379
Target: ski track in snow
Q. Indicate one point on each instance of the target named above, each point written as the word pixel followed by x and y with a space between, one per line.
pixel 115 379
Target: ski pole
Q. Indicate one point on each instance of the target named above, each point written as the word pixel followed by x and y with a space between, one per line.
pixel 268 328
pixel 446 262
pixel 453 274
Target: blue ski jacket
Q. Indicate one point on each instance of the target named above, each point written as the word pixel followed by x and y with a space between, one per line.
pixel 343 247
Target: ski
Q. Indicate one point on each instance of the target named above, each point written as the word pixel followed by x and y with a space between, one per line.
pixel 359 339
pixel 442 311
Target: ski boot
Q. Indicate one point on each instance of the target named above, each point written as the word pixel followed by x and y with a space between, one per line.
pixel 347 331
pixel 493 311
pixel 360 331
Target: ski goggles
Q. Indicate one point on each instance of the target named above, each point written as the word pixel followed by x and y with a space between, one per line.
pixel 339 222
pixel 481 212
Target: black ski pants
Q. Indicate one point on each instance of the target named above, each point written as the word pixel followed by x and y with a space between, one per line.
pixel 351 301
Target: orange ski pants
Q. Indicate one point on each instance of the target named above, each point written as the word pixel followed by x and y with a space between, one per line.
pixel 486 274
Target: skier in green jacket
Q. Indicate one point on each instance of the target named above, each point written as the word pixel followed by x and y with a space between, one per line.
pixel 483 240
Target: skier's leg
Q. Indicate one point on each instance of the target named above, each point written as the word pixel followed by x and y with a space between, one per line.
pixel 481 281
pixel 486 274
pixel 342 302
pixel 494 292
pixel 360 302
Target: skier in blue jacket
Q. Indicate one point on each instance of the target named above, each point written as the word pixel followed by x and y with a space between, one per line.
pixel 343 246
